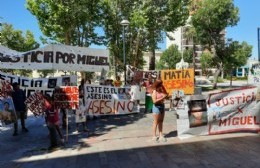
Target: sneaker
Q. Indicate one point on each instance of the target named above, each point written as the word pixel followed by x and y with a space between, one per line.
pixel 15 134
pixel 62 141
pixel 155 139
pixel 162 139
pixel 25 130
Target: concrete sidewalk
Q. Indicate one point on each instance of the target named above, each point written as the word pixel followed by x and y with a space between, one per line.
pixel 125 141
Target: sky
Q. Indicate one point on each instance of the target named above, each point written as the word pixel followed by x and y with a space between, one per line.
pixel 14 12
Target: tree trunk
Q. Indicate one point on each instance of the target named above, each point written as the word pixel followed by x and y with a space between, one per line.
pixel 152 60
pixel 216 75
pixel 231 76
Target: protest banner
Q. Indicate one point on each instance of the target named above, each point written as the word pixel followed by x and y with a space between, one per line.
pixel 5 88
pixel 138 75
pixel 178 99
pixel 254 74
pixel 226 111
pixel 234 110
pixel 7 110
pixel 66 97
pixel 31 85
pixel 80 115
pixel 56 56
pixel 107 100
pixel 182 79
pixel 35 103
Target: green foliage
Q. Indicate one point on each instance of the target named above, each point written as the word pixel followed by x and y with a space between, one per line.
pixel 15 40
pixel 72 22
pixel 206 60
pixel 170 57
pixel 163 15
pixel 188 55
pixel 213 17
pixel 221 80
pixel 45 73
pixel 210 20
pixel 236 55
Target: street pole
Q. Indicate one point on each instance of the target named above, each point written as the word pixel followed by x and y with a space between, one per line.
pixel 124 54
pixel 124 23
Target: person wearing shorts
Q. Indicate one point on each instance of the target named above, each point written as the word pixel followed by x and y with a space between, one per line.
pixel 158 96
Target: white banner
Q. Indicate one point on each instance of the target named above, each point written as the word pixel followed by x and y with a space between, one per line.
pixel 222 112
pixel 107 100
pixel 55 56
pixel 45 85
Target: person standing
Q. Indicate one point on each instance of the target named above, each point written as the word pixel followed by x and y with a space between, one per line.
pixel 52 121
pixel 82 102
pixel 117 82
pixel 19 98
pixel 148 99
pixel 158 96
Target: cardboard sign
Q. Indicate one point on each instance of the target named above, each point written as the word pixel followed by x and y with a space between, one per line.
pixel 35 103
pixel 182 79
pixel 66 97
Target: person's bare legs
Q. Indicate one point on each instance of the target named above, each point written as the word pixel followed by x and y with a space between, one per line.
pixel 160 125
pixel 155 124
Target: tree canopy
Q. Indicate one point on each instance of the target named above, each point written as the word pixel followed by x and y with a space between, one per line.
pixel 210 19
pixel 171 56
pixel 17 40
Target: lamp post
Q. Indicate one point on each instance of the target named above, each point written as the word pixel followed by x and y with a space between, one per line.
pixel 182 64
pixel 124 23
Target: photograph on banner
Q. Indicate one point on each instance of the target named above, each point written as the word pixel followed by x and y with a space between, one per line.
pixel 35 104
pixel 231 110
pixel 66 81
pixel 108 100
pixel 66 97
pixel 178 80
pixel 5 88
pixel 254 74
pixel 7 111
pixel 81 113
pixel 45 85
pixel 52 82
pixel 178 99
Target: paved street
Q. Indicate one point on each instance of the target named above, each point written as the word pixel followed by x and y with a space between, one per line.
pixel 125 141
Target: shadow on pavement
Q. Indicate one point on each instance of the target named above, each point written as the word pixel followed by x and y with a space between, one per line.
pixel 230 152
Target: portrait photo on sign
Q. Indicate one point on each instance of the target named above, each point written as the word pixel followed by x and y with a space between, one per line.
pixel 178 99
pixel 66 81
pixel 52 83
pixel 197 119
pixel 198 115
pixel 7 111
pixel 121 93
